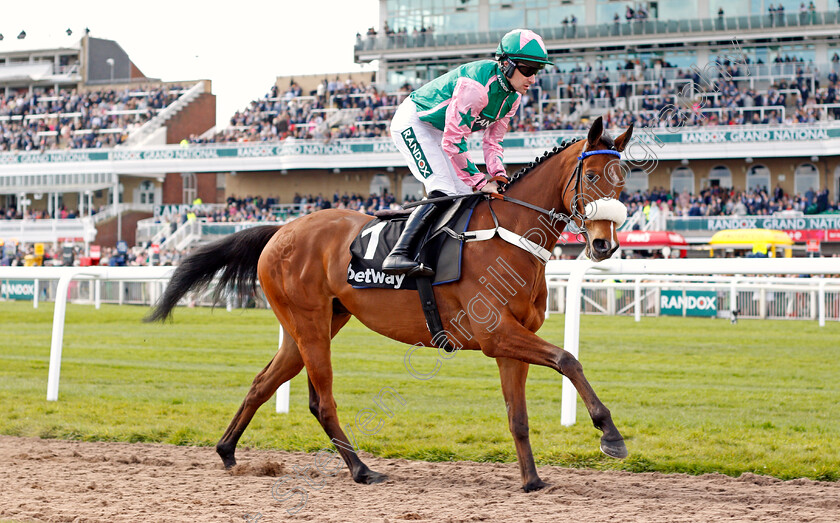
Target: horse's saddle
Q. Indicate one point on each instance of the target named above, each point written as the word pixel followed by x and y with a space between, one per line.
pixel 439 249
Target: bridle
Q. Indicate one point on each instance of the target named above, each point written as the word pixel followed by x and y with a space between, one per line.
pixel 577 176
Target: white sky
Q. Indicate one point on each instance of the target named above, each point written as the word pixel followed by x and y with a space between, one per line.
pixel 241 45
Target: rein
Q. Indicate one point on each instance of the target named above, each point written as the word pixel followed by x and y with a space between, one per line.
pixel 552 214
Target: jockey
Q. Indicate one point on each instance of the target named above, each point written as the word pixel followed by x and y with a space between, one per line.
pixel 431 126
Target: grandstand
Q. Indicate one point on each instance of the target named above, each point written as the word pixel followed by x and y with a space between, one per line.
pixel 736 110
pixel 83 93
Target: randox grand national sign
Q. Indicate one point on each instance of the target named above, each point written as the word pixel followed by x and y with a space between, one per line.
pixel 719 223
pixel 688 303
pixel 17 289
pixel 542 141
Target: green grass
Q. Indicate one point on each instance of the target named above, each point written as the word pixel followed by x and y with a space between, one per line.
pixel 689 395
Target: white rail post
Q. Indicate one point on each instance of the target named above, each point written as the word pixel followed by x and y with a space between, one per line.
pixel 35 296
pixel 821 301
pixel 282 391
pixel 57 336
pixel 568 404
pixel 637 294
pixel 547 301
pixel 733 296
pixel 97 293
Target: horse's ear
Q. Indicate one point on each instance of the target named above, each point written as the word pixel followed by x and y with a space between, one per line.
pixel 595 132
pixel 622 141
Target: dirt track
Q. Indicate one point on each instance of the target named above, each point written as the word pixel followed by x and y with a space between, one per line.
pixel 50 480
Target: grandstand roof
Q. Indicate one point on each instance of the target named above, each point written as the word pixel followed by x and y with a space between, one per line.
pixel 38 43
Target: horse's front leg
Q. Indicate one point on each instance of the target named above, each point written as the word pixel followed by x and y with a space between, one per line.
pixel 513 374
pixel 509 339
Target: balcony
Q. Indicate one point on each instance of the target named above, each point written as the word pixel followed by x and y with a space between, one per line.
pixel 572 36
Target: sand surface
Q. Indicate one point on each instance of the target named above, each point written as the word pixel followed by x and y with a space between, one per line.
pixel 52 480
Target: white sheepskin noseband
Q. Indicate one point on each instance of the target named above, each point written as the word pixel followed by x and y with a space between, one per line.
pixel 606 209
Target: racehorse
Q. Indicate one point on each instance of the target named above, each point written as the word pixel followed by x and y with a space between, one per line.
pixel 303 266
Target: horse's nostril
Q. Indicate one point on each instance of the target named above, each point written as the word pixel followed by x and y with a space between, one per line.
pixel 600 245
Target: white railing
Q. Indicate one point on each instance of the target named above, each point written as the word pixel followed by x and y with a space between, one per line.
pixel 154 279
pixel 48 231
pixel 574 272
pixel 753 297
pixel 151 230
pixel 185 234
pixel 568 275
pixel 144 131
pixel 111 211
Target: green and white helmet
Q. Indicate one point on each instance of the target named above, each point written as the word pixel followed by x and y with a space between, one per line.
pixel 523 44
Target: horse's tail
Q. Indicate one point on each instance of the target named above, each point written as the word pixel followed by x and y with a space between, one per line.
pixel 236 255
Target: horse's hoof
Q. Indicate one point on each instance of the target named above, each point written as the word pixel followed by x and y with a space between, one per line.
pixel 614 449
pixel 228 458
pixel 533 486
pixel 370 477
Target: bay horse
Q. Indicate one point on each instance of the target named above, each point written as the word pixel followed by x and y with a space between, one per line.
pixel 302 268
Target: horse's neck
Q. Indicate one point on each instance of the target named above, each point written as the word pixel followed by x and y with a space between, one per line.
pixel 542 186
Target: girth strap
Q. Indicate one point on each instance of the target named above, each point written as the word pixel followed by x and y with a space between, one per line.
pixel 430 311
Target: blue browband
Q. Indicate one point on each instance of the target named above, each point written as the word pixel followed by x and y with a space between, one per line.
pixel 601 151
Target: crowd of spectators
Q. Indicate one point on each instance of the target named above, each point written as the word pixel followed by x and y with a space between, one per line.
pixel 63 213
pixel 344 108
pixel 718 201
pixel 73 119
pixel 731 103
pixel 336 109
pixel 654 203
pixel 339 109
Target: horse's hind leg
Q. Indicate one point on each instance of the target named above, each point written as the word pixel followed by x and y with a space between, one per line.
pixel 513 374
pixel 285 365
pixel 315 350
pixel 323 407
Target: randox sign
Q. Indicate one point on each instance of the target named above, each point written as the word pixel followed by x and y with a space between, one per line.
pixel 17 289
pixel 694 303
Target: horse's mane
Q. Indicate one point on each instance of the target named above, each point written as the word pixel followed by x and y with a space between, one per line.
pixel 548 154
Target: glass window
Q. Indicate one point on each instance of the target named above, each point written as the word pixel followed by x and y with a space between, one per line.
pixel 606 10
pixel 460 22
pixel 412 188
pixel 188 184
pixel 506 18
pixel 836 183
pixel 147 192
pixel 730 8
pixel 791 6
pixel 758 178
pixel 678 10
pixel 682 10
pixel 380 184
pixel 682 180
pixel 637 181
pixel 556 14
pixel 806 178
pixel 720 176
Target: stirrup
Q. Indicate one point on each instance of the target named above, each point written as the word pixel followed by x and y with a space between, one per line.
pixel 401 264
pixel 421 271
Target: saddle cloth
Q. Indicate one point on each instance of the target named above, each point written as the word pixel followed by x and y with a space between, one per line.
pixel 438 249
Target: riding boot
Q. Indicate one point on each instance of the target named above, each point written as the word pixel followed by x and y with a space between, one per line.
pixel 400 260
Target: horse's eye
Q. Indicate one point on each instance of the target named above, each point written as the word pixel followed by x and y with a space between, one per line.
pixel 591 177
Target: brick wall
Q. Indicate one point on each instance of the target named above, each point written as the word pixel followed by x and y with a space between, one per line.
pixel 196 118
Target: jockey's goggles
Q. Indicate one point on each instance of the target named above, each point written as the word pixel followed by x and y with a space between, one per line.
pixel 528 68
